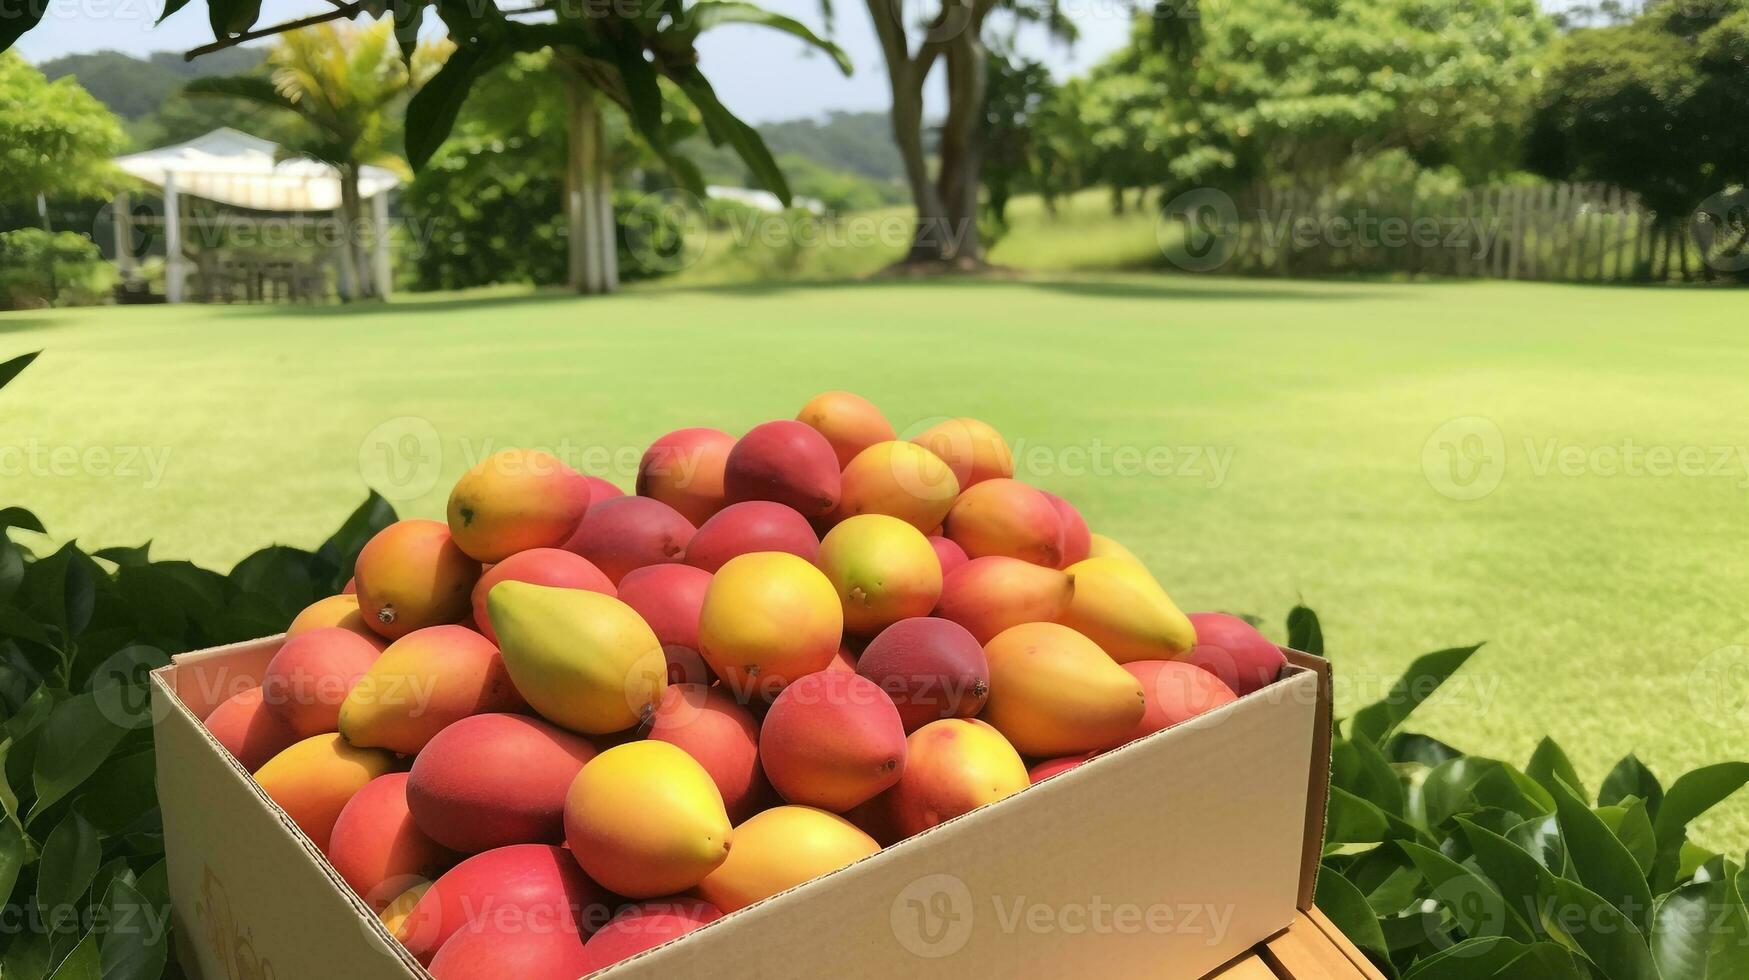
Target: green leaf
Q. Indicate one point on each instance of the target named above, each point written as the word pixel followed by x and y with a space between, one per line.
pixel 432 111
pixel 1602 861
pixel 14 26
pixel 75 740
pixel 1304 632
pixel 1693 794
pixel 1473 900
pixel 706 14
pixel 1348 909
pixel 1630 777
pixel 170 7
pixel 1513 871
pixel 229 17
pixel 409 18
pixel 12 857
pixel 1540 837
pixel 1630 825
pixel 1424 676
pixel 643 91
pixel 1360 768
pixel 11 517
pixel 1700 932
pixel 69 861
pixel 724 127
pixel 1550 767
pixel 1499 958
pixel 1447 790
pixel 1423 750
pixel 136 944
pixel 83 963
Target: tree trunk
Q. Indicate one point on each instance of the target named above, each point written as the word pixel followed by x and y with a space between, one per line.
pixel 593 256
pixel 356 282
pixel 946 229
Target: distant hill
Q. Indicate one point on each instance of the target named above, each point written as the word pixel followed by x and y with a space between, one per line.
pixel 857 142
pixel 133 87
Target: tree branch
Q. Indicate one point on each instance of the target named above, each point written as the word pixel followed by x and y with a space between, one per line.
pixel 340 11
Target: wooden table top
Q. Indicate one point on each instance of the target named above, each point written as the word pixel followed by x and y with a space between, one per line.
pixel 1311 949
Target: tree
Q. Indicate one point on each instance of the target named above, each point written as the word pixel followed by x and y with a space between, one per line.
pixel 1654 106
pixel 55 139
pixel 946 230
pixel 342 85
pixel 1291 91
pixel 1017 92
pixel 626 54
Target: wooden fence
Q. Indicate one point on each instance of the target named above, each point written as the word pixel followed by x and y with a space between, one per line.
pixel 1572 232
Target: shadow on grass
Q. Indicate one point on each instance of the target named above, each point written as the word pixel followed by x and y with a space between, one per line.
pixel 1135 286
pixel 21 324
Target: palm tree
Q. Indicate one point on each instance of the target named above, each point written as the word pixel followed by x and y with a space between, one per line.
pixel 343 86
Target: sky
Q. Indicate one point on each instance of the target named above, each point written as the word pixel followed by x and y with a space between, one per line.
pixel 760 74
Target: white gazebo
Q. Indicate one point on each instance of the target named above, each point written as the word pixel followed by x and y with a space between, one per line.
pixel 243 171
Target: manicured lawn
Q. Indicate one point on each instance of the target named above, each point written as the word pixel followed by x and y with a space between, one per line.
pixel 1266 442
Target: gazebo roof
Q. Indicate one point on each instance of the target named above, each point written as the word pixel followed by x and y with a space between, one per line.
pixel 244 171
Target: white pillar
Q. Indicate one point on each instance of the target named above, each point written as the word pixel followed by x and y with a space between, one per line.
pixel 122 220
pixel 172 240
pixel 385 273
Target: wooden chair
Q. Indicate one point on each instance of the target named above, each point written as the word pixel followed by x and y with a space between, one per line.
pixel 1311 949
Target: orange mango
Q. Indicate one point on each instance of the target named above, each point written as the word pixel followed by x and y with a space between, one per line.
pixel 883 569
pixel 336 610
pixel 988 595
pixel 515 500
pixel 768 618
pixel 952 767
pixel 424 682
pixel 1054 692
pixel 850 422
pixel 644 819
pixel 311 676
pixel 378 849
pixel 313 780
pixel 412 575
pixel 1007 518
pixel 973 449
pixel 781 848
pixel 899 479
pixel 684 469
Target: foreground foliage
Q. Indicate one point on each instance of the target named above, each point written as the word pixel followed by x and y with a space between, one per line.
pixel 1444 865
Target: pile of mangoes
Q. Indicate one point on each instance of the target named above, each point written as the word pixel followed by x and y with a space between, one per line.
pixel 568 725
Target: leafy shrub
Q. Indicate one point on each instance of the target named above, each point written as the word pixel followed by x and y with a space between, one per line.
pixel 41 268
pixel 1444 865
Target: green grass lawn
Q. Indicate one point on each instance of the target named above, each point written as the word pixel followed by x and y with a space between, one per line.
pixel 1300 436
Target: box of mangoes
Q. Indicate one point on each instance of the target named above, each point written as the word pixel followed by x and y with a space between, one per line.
pixel 814 701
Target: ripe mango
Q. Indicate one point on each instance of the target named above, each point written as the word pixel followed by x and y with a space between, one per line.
pixel 883 570
pixel 932 668
pixel 974 450
pixel 246 728
pixel 786 462
pixel 749 526
pixel 1077 540
pixel 832 740
pixel 781 848
pixel 1233 650
pixel 1100 546
pixel 1053 767
pixel 684 469
pixel 899 479
pixel 600 489
pixel 310 677
pixel 988 595
pixel 336 610
pixel 950 555
pixel 378 849
pixel 487 950
pixel 515 500
pixel 396 912
pixel 646 926
pixel 644 819
pixel 1175 692
pixel 1119 606
pixel 494 780
pixel 1054 692
pixel 542 566
pixel 850 422
pixel 722 736
pixel 421 684
pixel 533 887
pixel 669 598
pixel 583 660
pixel 768 618
pixel 952 767
pixel 412 575
pixel 313 780
pixel 1007 518
pixel 625 533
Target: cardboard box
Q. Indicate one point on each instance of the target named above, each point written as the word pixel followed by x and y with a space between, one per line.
pixel 1163 859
